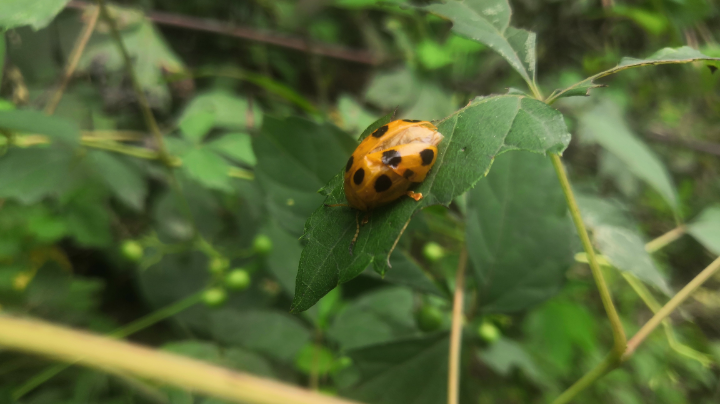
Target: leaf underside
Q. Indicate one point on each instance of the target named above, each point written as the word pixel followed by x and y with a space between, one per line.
pixel 474 135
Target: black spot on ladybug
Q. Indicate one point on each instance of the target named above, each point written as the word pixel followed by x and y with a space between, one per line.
pixel 391 158
pixel 712 68
pixel 383 183
pixel 408 173
pixel 359 175
pixel 349 164
pixel 427 156
pixel 411 120
pixel 380 131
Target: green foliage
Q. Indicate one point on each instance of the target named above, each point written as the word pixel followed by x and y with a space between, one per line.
pixel 36 13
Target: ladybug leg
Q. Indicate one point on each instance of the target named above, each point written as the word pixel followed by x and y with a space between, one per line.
pixel 358 222
pixel 415 195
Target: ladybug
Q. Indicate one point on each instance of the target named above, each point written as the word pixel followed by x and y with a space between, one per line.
pixel 388 162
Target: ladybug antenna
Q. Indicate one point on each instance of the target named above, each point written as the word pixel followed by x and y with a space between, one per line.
pixel 357 231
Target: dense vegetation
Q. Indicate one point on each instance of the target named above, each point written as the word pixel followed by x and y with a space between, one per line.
pixel 160 163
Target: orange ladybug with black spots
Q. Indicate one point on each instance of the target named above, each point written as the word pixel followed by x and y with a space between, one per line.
pixel 389 161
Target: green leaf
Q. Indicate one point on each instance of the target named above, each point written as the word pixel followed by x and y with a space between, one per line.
pixel 353 116
pixel 488 22
pixel 432 55
pixel 605 125
pixel 30 175
pixel 283 258
pixel 122 178
pixel 518 211
pixel 706 228
pixel 273 333
pixel 297 157
pixel 380 316
pixel 314 358
pixel 504 355
pixel 579 91
pixel 474 135
pixel 209 169
pixel 392 89
pixel 412 371
pixel 684 54
pixel 231 111
pixel 3 50
pixel 431 103
pixel 36 13
pixel 152 57
pixel 204 351
pixel 235 146
pixel 29 121
pixel 196 125
pixel 87 217
pixel 616 236
pixel 405 272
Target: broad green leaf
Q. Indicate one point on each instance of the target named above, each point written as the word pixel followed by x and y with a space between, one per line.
pixel 205 166
pixel 518 211
pixel 353 116
pixel 706 228
pixel 405 272
pixel 411 371
pixel 376 317
pixel 231 111
pixel 122 178
pixel 87 217
pixel 152 57
pixel 195 126
pixel 295 158
pixel 488 22
pixel 392 89
pixel 605 125
pixel 558 328
pixel 235 146
pixel 684 54
pixel 33 122
pixel 504 355
pixel 30 175
pixel 36 13
pixel 273 333
pixel 431 103
pixel 282 260
pixel 616 236
pixel 474 135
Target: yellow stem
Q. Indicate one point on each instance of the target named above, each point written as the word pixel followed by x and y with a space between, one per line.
pixel 456 331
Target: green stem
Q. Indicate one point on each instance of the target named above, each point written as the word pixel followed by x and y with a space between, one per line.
pixel 619 338
pixel 42 338
pixel 456 331
pixel 667 238
pixel 139 92
pixel 609 363
pixel 139 152
pixel 669 307
pixel 135 326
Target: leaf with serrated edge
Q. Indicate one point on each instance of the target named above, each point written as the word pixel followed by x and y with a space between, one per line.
pixel 474 135
pixel 684 54
pixel 488 22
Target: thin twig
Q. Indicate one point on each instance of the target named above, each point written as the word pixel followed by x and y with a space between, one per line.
pixel 619 338
pixel 692 144
pixel 139 92
pixel 74 59
pixel 63 343
pixel 218 27
pixel 669 307
pixel 456 331
pixel 665 239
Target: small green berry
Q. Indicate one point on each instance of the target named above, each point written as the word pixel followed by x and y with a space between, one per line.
pixel 214 297
pixel 132 250
pixel 218 265
pixel 433 251
pixel 262 244
pixel 429 318
pixel 488 331
pixel 237 279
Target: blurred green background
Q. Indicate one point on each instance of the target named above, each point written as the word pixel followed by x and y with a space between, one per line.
pixel 99 235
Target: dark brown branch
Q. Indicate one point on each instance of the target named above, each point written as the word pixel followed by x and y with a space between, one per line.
pixel 697 145
pixel 218 27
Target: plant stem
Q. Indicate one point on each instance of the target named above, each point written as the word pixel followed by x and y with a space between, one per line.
pixel 669 307
pixel 665 239
pixel 139 92
pixel 139 152
pixel 609 363
pixel 619 338
pixel 77 51
pixel 456 330
pixel 98 352
pixel 135 326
